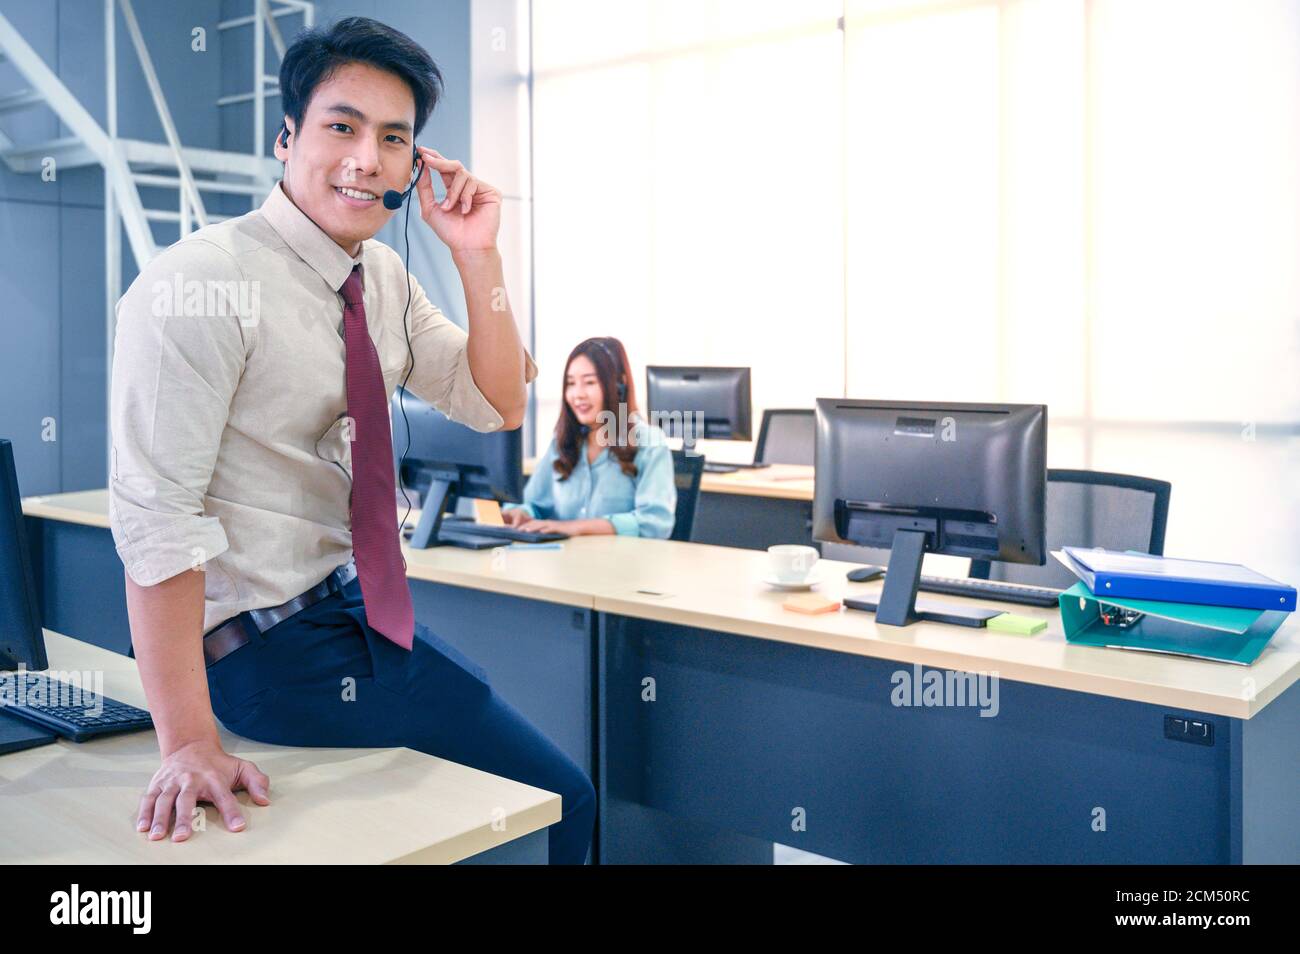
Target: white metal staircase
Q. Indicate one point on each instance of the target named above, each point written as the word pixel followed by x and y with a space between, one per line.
pixel 130 164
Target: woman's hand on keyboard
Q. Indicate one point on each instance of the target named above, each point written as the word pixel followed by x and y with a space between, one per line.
pixel 545 526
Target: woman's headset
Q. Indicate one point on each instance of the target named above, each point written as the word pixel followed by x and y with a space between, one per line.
pixel 619 371
pixel 620 387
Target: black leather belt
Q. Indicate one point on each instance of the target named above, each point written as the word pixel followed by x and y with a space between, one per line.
pixel 223 640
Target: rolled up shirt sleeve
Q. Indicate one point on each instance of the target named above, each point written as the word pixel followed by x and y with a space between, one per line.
pixel 655 507
pixel 441 376
pixel 175 370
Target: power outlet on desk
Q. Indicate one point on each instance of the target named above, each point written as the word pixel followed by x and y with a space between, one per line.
pixel 1189 730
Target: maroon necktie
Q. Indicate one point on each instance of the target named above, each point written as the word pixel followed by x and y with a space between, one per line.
pixel 374 488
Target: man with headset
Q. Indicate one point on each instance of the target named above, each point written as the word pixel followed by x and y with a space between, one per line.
pixel 252 489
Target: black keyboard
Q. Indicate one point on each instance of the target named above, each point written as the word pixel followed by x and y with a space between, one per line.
pixel 718 467
pixel 468 528
pixel 991 590
pixel 74 714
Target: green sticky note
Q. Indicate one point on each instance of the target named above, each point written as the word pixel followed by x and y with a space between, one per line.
pixel 1020 625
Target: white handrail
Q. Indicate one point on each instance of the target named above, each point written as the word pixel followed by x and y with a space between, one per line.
pixel 164 114
pixel 84 127
pixel 265 85
pixel 259 82
pixel 272 28
pixel 112 233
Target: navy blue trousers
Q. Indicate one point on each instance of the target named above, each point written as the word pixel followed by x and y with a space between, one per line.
pixel 323 677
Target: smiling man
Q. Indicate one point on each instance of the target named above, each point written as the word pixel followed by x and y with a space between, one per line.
pixel 252 494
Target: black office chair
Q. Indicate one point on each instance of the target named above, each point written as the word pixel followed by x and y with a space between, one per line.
pixel 687 469
pixel 1090 508
pixel 787 436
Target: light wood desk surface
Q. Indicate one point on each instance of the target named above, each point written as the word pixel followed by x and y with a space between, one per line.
pixel 781 481
pixel 86 507
pixel 720 588
pixel 70 803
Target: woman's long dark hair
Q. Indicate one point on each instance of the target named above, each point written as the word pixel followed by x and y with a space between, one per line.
pixel 610 360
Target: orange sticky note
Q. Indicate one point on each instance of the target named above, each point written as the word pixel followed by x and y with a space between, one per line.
pixel 810 603
pixel 488 513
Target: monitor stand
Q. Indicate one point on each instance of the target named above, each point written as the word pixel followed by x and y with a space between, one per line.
pixel 897 605
pixel 435 530
pixel 441 495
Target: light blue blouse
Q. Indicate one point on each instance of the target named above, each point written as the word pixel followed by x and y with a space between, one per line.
pixel 645 506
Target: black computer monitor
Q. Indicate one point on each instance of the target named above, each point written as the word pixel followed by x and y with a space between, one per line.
pixel 22 641
pixel 694 403
pixel 448 460
pixel 959 479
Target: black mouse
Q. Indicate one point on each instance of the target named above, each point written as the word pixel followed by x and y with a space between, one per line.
pixel 865 574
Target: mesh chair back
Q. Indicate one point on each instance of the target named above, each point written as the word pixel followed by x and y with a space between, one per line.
pixel 687 470
pixel 787 436
pixel 1088 508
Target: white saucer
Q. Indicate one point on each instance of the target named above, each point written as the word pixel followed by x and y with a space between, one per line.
pixel 811 581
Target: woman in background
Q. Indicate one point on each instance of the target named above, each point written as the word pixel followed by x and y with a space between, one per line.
pixel 592 478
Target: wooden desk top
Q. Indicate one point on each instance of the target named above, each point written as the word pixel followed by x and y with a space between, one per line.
pixel 720 588
pixel 69 803
pixel 780 481
pixel 86 507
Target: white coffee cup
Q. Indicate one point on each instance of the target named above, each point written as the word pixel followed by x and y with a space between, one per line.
pixel 791 563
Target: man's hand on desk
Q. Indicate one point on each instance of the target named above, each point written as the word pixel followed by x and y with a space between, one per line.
pixel 200 771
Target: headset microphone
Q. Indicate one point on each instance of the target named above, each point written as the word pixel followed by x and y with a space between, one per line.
pixel 393 199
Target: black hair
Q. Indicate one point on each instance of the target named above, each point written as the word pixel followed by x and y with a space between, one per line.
pixel 317 53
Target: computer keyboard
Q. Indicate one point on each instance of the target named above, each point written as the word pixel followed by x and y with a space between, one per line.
pixel 991 590
pixel 468 529
pixel 718 467
pixel 43 702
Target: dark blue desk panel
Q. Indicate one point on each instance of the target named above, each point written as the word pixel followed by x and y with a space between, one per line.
pixel 539 657
pixel 746 736
pixel 80 582
pixel 530 849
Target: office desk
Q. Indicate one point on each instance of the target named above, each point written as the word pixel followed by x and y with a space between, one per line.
pixel 781 727
pixel 754 509
pixel 66 803
pixel 536 639
pixel 722 723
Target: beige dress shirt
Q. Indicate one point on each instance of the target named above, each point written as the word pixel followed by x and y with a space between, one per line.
pixel 230 445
